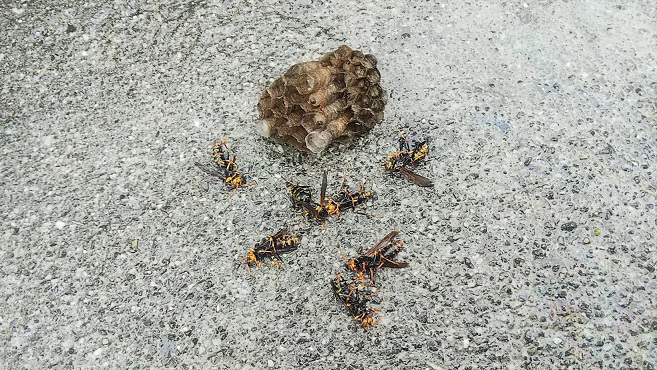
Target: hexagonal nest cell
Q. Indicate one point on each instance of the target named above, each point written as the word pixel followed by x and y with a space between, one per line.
pixel 317 102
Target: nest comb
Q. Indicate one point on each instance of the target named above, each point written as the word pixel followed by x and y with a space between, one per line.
pixel 317 102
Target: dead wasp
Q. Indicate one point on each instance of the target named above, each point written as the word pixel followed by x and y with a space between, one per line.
pixel 406 156
pixel 271 247
pixel 224 166
pixel 380 255
pixel 355 300
pixel 345 199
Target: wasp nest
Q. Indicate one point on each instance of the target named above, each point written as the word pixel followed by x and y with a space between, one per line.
pixel 317 102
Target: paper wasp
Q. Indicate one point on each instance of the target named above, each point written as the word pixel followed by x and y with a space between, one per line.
pixel 271 247
pixel 354 294
pixel 380 255
pixel 301 198
pixel 406 156
pixel 346 199
pixel 224 166
pixel 355 300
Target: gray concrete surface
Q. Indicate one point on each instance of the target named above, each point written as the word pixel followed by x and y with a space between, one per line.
pixel 117 253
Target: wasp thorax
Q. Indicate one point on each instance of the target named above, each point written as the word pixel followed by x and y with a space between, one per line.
pixel 315 103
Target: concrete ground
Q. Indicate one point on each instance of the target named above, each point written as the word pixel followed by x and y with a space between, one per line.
pixel 534 250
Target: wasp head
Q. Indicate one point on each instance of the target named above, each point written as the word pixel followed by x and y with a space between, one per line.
pixel 332 208
pixel 367 320
pixel 251 257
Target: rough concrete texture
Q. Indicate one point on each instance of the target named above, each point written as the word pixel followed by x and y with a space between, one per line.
pixel 535 249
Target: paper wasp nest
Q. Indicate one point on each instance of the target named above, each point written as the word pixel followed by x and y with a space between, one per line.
pixel 317 102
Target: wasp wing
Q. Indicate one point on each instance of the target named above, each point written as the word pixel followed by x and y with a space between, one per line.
pixel 322 194
pixel 381 244
pixel 394 264
pixel 280 233
pixel 211 169
pixel 312 210
pixel 415 178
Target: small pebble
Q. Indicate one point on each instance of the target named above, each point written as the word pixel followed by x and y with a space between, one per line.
pixel 569 226
pixel 557 340
pixel 270 363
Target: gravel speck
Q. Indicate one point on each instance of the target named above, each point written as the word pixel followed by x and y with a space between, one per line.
pixel 569 226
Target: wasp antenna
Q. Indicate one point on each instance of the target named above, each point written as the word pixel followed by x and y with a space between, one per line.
pixel 366 214
pixel 401 133
pixel 245 262
pixel 343 256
